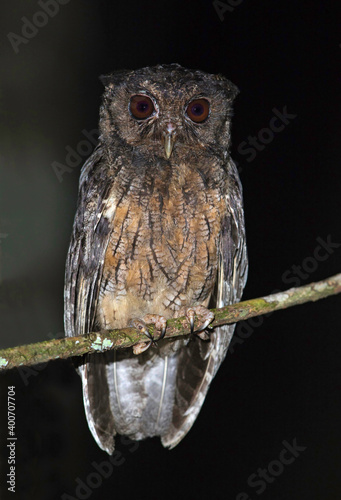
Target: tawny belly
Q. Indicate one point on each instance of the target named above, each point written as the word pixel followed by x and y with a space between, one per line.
pixel 158 262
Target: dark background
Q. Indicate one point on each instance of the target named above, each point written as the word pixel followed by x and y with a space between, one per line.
pixel 280 383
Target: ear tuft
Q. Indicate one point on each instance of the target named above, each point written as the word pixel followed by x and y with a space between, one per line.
pixel 230 89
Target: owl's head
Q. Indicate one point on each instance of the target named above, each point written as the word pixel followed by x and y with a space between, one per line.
pixel 167 108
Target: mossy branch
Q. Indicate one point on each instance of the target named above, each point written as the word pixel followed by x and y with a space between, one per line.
pixel 42 352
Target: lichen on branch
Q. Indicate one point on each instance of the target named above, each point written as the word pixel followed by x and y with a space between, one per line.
pixel 63 348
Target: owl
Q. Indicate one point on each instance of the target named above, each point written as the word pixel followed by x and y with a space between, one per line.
pixel 158 233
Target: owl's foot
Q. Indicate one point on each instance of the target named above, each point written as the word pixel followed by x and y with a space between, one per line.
pixel 159 322
pixel 205 317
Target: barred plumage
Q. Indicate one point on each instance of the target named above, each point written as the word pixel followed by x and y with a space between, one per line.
pixel 159 228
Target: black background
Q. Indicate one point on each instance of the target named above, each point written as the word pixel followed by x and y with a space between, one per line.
pixel 280 383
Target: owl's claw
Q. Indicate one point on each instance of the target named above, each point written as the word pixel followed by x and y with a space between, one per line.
pixel 205 316
pixel 141 346
pixel 190 314
pixel 162 334
pixel 160 323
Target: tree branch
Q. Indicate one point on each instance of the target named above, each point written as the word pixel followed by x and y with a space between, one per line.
pixel 127 337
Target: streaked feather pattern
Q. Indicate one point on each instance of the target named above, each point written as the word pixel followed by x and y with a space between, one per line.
pixel 155 235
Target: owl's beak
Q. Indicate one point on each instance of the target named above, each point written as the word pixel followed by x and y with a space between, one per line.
pixel 169 139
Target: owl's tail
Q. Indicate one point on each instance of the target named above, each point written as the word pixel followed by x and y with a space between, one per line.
pixel 126 394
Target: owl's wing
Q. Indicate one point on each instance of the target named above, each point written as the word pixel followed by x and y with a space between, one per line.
pixel 199 361
pixel 83 275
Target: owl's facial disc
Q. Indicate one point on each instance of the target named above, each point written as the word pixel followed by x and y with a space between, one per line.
pixel 160 118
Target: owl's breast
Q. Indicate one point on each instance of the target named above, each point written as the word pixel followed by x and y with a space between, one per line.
pixel 163 253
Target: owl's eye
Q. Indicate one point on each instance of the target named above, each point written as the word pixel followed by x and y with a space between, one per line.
pixel 198 110
pixel 141 107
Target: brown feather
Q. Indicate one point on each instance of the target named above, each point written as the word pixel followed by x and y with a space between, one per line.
pixel 155 235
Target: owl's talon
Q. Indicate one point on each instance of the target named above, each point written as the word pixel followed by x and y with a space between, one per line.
pixel 190 313
pixel 141 347
pixel 142 327
pixel 160 323
pixel 163 333
pixel 204 315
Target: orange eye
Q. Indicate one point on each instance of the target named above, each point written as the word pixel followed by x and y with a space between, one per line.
pixel 198 110
pixel 141 107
